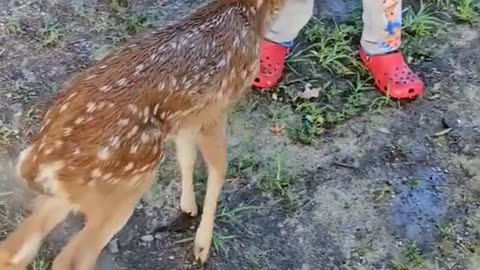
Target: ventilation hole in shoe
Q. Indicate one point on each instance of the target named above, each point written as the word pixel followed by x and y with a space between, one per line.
pixel 385 88
pixel 267 57
pixel 397 68
pixel 411 90
pixel 261 61
pixel 396 74
pixel 403 71
pixel 269 65
pixel 257 80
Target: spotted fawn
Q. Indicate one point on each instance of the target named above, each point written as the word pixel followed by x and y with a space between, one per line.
pixel 103 138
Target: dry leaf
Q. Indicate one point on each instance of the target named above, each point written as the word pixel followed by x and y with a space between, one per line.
pixel 309 92
pixel 277 129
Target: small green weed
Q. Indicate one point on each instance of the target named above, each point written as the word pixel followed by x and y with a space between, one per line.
pixel 132 23
pixel 40 263
pixel 330 47
pixel 466 10
pixel 311 125
pixel 51 34
pixel 423 23
pixel 279 177
pixel 220 242
pixel 246 160
pixel 137 23
pixel 411 259
pixel 13 26
pixel 446 231
pixel 412 183
pixel 233 215
pixel 6 136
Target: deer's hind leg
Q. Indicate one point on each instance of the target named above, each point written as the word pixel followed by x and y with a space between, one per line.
pixel 212 143
pixel 19 249
pixel 106 212
pixel 186 147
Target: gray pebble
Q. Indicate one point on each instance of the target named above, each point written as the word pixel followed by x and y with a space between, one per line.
pixel 147 238
pixel 113 246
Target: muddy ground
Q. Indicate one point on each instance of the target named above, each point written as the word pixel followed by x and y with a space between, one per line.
pixel 343 180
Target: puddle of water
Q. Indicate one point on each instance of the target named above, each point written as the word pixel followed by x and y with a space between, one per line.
pixel 419 206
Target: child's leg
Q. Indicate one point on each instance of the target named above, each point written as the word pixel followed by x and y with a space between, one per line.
pixel 291 20
pixel 381 40
pixel 275 48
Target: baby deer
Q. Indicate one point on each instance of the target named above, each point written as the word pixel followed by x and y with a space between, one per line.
pixel 103 139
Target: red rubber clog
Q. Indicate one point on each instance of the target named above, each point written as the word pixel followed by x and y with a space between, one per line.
pixel 393 76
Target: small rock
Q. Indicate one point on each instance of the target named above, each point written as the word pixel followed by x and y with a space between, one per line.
pixel 147 238
pixel 453 120
pixel 113 246
pixel 171 258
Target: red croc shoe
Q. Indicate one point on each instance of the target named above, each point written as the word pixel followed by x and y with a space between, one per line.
pixel 272 65
pixel 392 75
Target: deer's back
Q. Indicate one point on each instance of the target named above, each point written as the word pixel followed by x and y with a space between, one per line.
pixel 113 118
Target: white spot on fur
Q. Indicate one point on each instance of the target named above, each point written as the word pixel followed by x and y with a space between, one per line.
pixel 105 88
pixel 145 138
pixel 103 67
pixel 91 106
pixel 144 168
pixel 91 77
pixel 72 95
pixel 79 120
pixel 77 151
pixel 107 176
pixel 133 108
pixel 155 109
pixel 173 81
pixel 128 167
pixel 134 149
pixel 101 105
pixel 67 131
pixel 96 173
pixel 123 122
pixel 64 107
pixel 122 82
pixel 132 132
pixel 161 86
pixel 115 141
pixel 104 153
pixel 139 69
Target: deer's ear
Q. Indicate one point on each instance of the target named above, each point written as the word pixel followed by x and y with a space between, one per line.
pixel 259 3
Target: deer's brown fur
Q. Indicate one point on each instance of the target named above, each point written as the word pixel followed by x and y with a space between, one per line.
pixel 103 138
